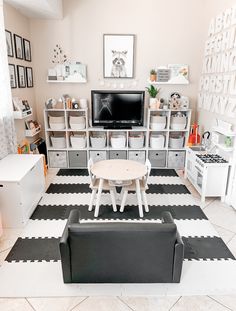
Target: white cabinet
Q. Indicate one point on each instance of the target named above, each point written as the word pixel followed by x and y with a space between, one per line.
pixel 22 184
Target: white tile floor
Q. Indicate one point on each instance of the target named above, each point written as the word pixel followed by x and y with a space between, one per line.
pixel 223 217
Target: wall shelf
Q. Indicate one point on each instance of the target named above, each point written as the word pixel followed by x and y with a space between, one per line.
pixel 168 83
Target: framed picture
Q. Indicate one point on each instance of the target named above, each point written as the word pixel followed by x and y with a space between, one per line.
pixel 21 76
pixel 118 56
pixel 12 74
pixel 27 50
pixel 29 77
pixel 9 43
pixel 18 46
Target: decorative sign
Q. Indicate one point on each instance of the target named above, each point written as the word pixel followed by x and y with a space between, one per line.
pixel 217 89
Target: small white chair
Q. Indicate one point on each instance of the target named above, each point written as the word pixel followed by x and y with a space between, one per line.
pixel 143 188
pixel 94 183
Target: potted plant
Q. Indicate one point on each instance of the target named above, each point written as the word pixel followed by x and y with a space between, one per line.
pixel 153 75
pixel 152 91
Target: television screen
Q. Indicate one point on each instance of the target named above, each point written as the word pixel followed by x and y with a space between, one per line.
pixel 117 108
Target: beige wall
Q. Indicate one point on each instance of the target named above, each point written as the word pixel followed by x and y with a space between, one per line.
pixel 205 118
pixel 20 25
pixel 166 32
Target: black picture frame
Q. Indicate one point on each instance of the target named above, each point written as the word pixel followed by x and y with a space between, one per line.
pixel 12 75
pixel 118 56
pixel 18 46
pixel 27 50
pixel 29 77
pixel 21 76
pixel 9 43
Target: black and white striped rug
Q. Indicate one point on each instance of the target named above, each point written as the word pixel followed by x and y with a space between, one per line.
pixel 33 266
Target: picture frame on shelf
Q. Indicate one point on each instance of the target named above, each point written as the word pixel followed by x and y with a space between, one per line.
pixel 118 55
pixel 12 74
pixel 29 77
pixel 27 50
pixel 18 46
pixel 9 43
pixel 21 76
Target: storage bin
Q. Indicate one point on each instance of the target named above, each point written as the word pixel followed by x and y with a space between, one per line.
pixel 78 141
pixel 178 123
pixel 157 122
pixel 57 123
pixel 117 154
pixel 77 122
pixel 58 142
pixel 98 140
pixel 118 140
pixel 137 156
pixel 77 159
pixel 176 141
pixel 98 155
pixel 176 159
pixel 136 140
pixel 157 141
pixel 157 158
pixel 57 159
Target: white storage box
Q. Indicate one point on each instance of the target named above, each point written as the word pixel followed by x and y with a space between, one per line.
pixel 158 123
pixel 178 122
pixel 78 141
pixel 176 141
pixel 58 142
pixel 98 140
pixel 136 140
pixel 57 123
pixel 77 122
pixel 118 141
pixel 157 141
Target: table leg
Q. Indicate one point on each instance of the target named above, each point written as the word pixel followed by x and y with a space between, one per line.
pixel 98 197
pixel 138 192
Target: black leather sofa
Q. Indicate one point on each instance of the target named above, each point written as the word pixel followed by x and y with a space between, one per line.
pixel 121 252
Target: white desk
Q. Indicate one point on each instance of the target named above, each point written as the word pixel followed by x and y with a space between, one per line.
pixel 115 170
pixel 22 184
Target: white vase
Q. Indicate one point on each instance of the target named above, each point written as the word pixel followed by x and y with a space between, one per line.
pixel 152 102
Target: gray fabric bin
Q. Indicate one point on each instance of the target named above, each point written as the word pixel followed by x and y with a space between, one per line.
pixel 137 156
pixel 176 159
pixel 57 159
pixel 98 155
pixel 157 158
pixel 77 158
pixel 117 154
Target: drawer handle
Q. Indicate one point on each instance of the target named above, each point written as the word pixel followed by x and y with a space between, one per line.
pixel 136 154
pixel 97 154
pixel 58 154
pixel 117 154
pixel 77 154
pixel 1 186
pixel 176 154
pixel 157 154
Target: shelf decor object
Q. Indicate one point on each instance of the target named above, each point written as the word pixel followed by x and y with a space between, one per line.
pixel 172 74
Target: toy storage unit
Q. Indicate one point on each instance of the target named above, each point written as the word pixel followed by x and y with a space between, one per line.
pixel 162 139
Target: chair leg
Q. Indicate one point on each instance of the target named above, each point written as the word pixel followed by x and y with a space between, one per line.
pixel 138 192
pixel 121 195
pixel 122 205
pixel 113 200
pixel 92 200
pixel 96 212
pixel 145 201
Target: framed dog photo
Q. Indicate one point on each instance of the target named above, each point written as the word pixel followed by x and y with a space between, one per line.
pixel 12 73
pixel 18 46
pixel 118 56
pixel 29 77
pixel 21 76
pixel 27 50
pixel 9 43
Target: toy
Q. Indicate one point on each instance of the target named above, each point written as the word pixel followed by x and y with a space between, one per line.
pixel 174 101
pixel 194 137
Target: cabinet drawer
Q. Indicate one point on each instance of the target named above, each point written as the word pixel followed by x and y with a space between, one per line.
pixel 137 156
pixel 57 159
pixel 176 159
pixel 119 154
pixel 157 158
pixel 98 155
pixel 77 158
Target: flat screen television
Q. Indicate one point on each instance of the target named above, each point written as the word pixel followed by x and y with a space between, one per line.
pixel 117 109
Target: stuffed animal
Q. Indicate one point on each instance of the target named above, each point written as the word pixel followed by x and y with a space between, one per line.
pixel 174 101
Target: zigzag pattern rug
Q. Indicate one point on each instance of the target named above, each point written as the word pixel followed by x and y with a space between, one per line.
pixel 33 267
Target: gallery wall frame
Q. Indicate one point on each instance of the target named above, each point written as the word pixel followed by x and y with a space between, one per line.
pixel 27 50
pixel 118 55
pixel 18 46
pixel 21 76
pixel 29 77
pixel 9 43
pixel 12 74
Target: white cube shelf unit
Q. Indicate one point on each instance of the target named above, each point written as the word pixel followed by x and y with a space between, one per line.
pixel 101 144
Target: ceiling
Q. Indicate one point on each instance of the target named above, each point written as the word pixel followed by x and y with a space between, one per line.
pixel 44 9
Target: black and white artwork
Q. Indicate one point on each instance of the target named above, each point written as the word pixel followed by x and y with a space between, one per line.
pixel 27 50
pixel 12 74
pixel 9 43
pixel 29 77
pixel 18 46
pixel 21 76
pixel 118 56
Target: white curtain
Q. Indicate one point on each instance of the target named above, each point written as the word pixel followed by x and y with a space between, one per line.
pixel 7 128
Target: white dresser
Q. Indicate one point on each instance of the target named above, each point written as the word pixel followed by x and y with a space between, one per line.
pixel 22 184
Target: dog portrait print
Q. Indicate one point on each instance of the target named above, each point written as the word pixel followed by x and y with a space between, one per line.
pixel 118 69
